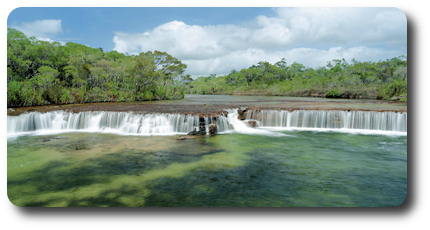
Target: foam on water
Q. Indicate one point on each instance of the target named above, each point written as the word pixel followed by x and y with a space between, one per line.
pixel 270 122
pixel 240 126
pixel 339 130
pixel 333 120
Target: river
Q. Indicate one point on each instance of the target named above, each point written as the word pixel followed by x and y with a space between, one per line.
pixel 343 154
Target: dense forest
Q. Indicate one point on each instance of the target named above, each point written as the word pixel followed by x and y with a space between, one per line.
pixel 41 73
pixel 338 79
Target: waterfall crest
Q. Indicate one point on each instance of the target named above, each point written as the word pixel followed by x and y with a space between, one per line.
pixel 116 122
pixel 333 119
pixel 170 124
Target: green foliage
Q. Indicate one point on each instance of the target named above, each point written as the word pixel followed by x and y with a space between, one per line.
pixel 333 94
pixel 65 96
pixel 22 94
pixel 396 88
pixel 14 93
pixel 148 95
pixel 40 73
pixel 338 79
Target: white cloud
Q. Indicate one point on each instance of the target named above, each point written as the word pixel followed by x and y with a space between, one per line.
pixel 41 29
pixel 182 40
pixel 311 36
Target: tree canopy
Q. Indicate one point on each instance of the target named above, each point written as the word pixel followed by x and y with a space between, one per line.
pixel 370 80
pixel 41 72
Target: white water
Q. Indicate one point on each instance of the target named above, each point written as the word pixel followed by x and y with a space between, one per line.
pixel 240 126
pixel 169 124
pixel 332 120
pixel 111 122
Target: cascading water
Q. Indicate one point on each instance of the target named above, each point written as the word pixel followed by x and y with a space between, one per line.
pixel 116 122
pixel 334 119
pixel 240 126
pixel 170 124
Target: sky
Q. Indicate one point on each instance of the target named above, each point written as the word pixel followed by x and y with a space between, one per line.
pixel 217 40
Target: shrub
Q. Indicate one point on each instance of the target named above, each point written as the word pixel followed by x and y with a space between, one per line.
pixel 53 95
pixel 13 93
pixel 148 96
pixel 333 94
pixel 78 95
pixel 396 88
pixel 65 96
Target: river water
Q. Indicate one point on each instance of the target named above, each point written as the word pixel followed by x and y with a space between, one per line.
pixel 293 159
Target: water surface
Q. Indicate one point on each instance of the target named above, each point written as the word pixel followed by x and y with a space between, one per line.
pixel 296 168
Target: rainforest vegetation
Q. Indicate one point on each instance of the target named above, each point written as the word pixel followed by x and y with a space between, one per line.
pixel 42 72
pixel 338 79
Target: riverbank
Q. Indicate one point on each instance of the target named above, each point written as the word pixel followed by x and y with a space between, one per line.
pixel 216 104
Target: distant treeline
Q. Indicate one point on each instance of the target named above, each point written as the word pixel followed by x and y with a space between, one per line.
pixel 41 73
pixel 338 79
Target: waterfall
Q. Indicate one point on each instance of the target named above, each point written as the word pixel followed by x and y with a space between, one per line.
pixel 170 124
pixel 115 122
pixel 239 126
pixel 333 119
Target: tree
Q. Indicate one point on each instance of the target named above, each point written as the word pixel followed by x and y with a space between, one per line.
pixel 295 70
pixel 250 75
pixel 115 55
pixel 281 64
pixel 143 73
pixel 75 73
pixel 401 73
pixel 186 78
pixel 46 78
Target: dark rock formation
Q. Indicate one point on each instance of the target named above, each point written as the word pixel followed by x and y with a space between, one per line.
pixel 195 132
pixel 242 114
pixel 213 129
pixel 202 126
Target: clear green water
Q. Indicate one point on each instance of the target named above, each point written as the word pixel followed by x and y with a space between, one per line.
pixel 304 169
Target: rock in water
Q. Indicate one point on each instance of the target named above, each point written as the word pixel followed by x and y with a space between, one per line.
pixel 252 123
pixel 202 126
pixel 185 137
pixel 195 132
pixel 213 129
pixel 201 133
pixel 242 114
pixel 181 138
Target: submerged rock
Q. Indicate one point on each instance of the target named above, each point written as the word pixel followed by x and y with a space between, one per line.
pixel 252 123
pixel 201 133
pixel 184 137
pixel 195 132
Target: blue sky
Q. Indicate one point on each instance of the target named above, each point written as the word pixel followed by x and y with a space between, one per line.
pixel 218 40
pixel 95 26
